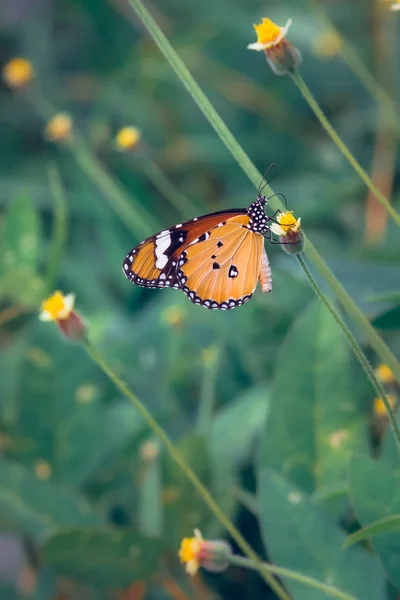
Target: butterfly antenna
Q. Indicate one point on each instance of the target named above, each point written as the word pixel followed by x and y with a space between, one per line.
pixel 264 179
pixel 279 194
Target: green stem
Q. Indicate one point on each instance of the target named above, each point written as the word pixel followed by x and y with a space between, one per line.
pixel 354 345
pixel 313 104
pixel 59 233
pixel 255 176
pixel 355 64
pixel 332 592
pixel 164 185
pixel 180 461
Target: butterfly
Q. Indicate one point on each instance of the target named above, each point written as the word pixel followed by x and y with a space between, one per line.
pixel 216 259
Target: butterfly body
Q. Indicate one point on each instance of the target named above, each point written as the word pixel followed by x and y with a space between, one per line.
pixel 215 259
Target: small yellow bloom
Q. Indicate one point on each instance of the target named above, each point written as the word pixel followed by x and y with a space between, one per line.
pixel 281 55
pixel 327 44
pixel 173 316
pixel 385 374
pixel 189 552
pixel 380 408
pixel 127 138
pixel 59 128
pixel 57 307
pixel 287 224
pixel 42 469
pixel 269 34
pixel 18 72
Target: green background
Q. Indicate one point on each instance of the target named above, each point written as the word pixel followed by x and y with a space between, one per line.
pixel 265 400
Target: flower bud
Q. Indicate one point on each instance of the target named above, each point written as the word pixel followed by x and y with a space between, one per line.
pixel 280 54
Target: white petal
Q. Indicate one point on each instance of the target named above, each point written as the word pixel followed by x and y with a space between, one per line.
pixel 297 226
pixel 258 47
pixel 45 316
pixel 276 229
pixel 198 536
pixel 396 6
pixel 69 301
pixel 192 567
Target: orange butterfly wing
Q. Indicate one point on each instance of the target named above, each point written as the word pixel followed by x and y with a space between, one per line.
pixel 154 262
pixel 221 272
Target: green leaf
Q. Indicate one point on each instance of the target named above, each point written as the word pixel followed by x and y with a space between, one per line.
pixel 38 507
pixel 21 235
pixel 385 525
pixel 375 495
pixel 315 416
pixel 300 536
pixel 235 427
pixel 102 557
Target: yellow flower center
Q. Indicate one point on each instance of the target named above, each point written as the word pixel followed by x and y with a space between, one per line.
pixel 379 406
pixel 59 127
pixel 127 138
pixel 267 32
pixel 190 548
pixel 54 305
pixel 18 72
pixel 287 221
pixel 384 374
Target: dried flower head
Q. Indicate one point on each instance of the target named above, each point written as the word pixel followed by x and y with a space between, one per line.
pixel 281 55
pixel 18 73
pixel 127 138
pixel 196 552
pixel 59 128
pixel 60 308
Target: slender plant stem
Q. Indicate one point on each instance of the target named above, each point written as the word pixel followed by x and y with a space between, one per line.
pixel 313 104
pixel 181 462
pixel 329 590
pixel 355 64
pixel 59 235
pixel 164 185
pixel 129 209
pixel 354 345
pixel 255 176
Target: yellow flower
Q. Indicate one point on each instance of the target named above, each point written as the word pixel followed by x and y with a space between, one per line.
pixel 173 316
pixel 327 44
pixel 127 138
pixel 385 374
pixel 59 128
pixel 57 307
pixel 380 408
pixel 281 55
pixel 18 72
pixel 269 34
pixel 287 224
pixel 196 552
pixel 189 552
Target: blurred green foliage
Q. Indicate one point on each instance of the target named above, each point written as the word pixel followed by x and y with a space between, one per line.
pixel 266 399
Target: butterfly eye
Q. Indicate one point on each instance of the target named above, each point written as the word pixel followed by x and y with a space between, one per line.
pixel 262 199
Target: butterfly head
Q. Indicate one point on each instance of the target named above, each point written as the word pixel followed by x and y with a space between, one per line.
pixel 258 218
